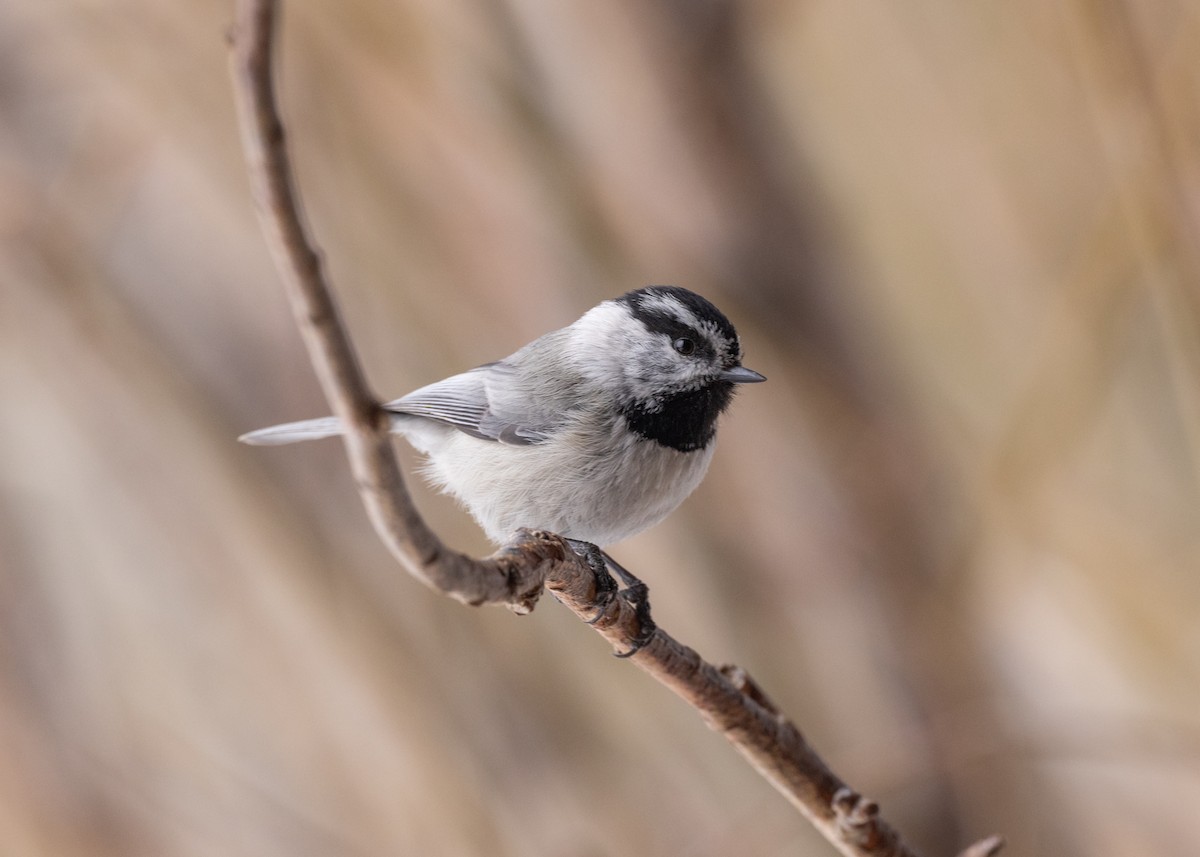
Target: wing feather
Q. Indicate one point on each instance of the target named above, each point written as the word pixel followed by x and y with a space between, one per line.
pixel 467 402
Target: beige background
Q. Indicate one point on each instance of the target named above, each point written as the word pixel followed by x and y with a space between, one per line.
pixel 956 535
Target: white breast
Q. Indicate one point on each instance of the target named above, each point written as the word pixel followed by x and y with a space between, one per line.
pixel 600 486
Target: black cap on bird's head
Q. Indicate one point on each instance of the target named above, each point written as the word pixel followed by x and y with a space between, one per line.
pixel 682 384
pixel 668 308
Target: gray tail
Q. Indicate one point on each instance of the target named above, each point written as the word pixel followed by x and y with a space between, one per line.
pixel 293 432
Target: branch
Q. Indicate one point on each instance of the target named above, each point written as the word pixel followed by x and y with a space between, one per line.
pixel 726 697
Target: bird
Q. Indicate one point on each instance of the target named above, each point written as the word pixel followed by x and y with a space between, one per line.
pixel 595 431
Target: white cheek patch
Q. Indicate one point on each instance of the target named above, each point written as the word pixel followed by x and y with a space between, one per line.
pixel 610 347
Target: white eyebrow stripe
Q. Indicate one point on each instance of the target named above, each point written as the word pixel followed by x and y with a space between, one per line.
pixel 671 306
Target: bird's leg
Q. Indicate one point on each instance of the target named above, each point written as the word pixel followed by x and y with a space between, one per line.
pixel 638 596
pixel 627 577
pixel 606 587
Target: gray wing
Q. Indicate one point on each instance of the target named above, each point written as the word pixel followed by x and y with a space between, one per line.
pixel 492 402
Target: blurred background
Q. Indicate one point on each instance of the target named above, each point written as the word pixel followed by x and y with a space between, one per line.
pixel 956 536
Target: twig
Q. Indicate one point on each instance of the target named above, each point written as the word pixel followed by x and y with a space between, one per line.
pixel 727 698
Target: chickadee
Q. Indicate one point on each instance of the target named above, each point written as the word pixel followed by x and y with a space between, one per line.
pixel 595 431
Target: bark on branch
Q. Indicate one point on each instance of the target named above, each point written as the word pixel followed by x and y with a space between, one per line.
pixel 726 697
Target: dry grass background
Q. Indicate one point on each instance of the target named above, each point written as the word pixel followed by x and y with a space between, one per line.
pixel 957 535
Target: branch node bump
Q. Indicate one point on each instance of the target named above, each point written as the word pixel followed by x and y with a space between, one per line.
pixel 749 688
pixel 856 816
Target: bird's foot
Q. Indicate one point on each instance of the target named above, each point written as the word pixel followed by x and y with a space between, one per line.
pixel 638 597
pixel 606 587
pixel 636 594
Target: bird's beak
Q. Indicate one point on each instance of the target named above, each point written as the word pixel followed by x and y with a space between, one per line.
pixel 741 375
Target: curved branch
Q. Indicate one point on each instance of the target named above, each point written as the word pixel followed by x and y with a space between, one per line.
pixel 726 697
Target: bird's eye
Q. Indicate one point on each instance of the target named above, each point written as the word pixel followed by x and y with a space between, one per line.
pixel 684 346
